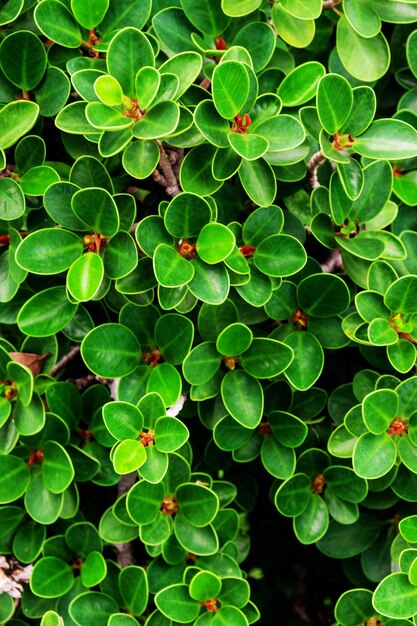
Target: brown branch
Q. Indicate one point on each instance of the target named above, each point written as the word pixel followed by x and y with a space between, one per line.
pixel 330 4
pixel 125 550
pixel 313 165
pixel 65 360
pixel 168 178
pixel 333 263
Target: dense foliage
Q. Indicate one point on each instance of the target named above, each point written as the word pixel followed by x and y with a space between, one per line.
pixel 208 312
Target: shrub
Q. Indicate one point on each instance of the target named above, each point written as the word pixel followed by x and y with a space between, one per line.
pixel 208 312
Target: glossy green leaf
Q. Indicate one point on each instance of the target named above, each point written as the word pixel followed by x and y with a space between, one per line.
pixel 186 215
pixel 23 59
pixel 171 269
pixel 57 468
pixel 308 360
pixel 374 455
pixel 230 86
pixel 128 456
pixel 334 102
pixel 111 350
pixel 352 48
pixel 16 119
pixel 89 14
pixel 85 276
pixel 395 596
pixel 197 504
pixel 243 397
pixel 59 249
pixel 176 603
pixel 51 578
pixel 129 50
pixel 56 22
pixel 294 31
pixel 46 313
pixel 14 478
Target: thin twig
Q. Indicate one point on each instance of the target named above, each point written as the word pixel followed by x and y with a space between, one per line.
pixel 333 262
pixel 168 180
pixel 65 360
pixel 125 550
pixel 313 165
pixel 330 4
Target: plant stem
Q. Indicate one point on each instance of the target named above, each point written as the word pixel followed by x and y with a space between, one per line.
pixel 313 165
pixel 169 179
pixel 330 4
pixel 65 360
pixel 333 262
pixel 125 550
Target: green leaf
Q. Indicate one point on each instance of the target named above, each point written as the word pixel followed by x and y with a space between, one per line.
pixel 94 569
pixel 46 313
pixel 395 596
pixel 111 350
pixel 243 397
pixel 280 255
pixel 352 48
pixel 323 295
pixel 204 586
pixel 23 59
pixel 51 578
pixel 294 31
pixel 387 139
pixel 174 348
pixel 234 339
pixel 160 120
pixel 300 85
pixel 92 606
pixel 133 585
pixel 293 495
pixel 176 603
pixel 303 9
pixel 308 360
pixel 334 102
pixel 206 16
pixel 400 296
pixel 57 23
pixel 198 504
pixel 123 420
pixel 85 276
pixel 16 119
pixel 165 380
pixel 144 501
pixel 266 358
pixel 170 434
pixel 186 215
pixel 259 182
pixel 210 283
pixel 171 269
pixel 12 200
pixel 128 456
pixel 215 242
pixel 201 363
pixel 379 408
pixel 128 52
pixel 354 606
pixel 230 86
pixel 201 541
pixel 141 158
pixel 312 524
pixel 60 248
pixel 362 17
pixel 374 455
pixel 89 14
pixel 57 468
pixel 14 478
